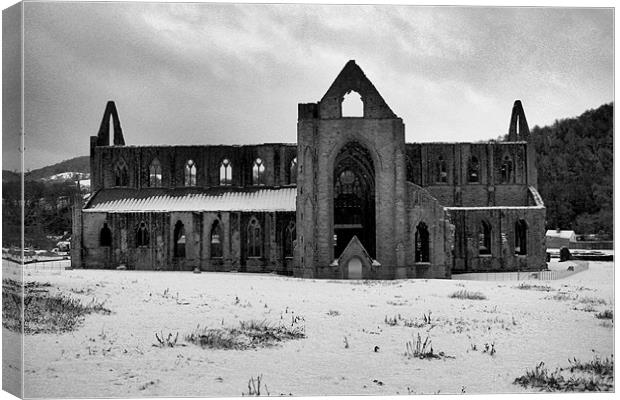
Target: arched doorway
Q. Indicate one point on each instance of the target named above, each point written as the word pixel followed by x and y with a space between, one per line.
pixel 179 240
pixel 354 268
pixel 354 198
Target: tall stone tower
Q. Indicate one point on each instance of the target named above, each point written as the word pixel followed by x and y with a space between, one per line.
pixel 351 180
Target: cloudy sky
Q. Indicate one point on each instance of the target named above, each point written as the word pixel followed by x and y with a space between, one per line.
pixel 233 74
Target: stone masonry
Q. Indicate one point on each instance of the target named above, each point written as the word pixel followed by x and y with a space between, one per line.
pixel 368 205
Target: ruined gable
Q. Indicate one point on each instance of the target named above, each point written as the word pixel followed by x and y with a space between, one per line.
pixel 518 129
pixel 352 78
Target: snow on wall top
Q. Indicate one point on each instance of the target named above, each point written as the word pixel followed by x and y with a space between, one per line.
pixel 560 234
pixel 193 199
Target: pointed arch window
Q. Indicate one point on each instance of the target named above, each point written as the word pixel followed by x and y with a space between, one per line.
pixel 442 173
pixel 225 172
pixel 216 240
pixel 121 173
pixel 142 235
pixel 258 172
pixel 190 173
pixel 473 170
pixel 255 248
pixel 484 238
pixel 155 173
pixel 506 170
pixel 293 172
pixel 179 240
pixel 421 243
pixel 289 239
pixel 105 236
pixel 521 237
pixel 352 105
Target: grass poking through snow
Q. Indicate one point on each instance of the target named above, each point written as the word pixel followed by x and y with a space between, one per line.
pixel 249 334
pixel 607 314
pixel 467 295
pixel 593 376
pixel 43 312
pixel 529 286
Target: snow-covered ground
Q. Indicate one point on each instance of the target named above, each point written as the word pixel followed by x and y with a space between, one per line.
pixel 113 356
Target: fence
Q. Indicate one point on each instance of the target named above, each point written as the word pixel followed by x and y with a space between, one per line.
pixel 600 245
pixel 522 276
pixel 55 267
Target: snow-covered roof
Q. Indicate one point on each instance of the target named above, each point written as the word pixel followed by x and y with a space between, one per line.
pixel 560 234
pixel 193 199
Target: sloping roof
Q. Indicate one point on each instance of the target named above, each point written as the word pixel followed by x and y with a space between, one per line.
pixel 560 234
pixel 192 199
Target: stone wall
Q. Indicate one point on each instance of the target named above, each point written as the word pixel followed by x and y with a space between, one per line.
pixel 277 159
pixel 502 257
pixel 423 160
pixel 422 207
pixel 158 254
pixel 435 183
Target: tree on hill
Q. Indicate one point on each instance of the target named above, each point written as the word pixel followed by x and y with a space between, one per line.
pixel 77 164
pixel 575 171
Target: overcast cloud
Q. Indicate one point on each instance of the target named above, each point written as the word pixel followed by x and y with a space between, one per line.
pixel 233 74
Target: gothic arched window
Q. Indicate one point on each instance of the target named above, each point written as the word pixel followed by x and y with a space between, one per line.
pixel 473 170
pixel 293 172
pixel 155 173
pixel 142 235
pixel 421 243
pixel 289 239
pixel 225 172
pixel 179 240
pixel 506 170
pixel 521 237
pixel 352 105
pixel 105 236
pixel 121 173
pixel 484 238
pixel 442 173
pixel 216 240
pixel 255 248
pixel 190 173
pixel 258 172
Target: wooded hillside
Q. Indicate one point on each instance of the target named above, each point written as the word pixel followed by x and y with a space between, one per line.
pixel 575 171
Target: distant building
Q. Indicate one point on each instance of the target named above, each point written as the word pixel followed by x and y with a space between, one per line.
pixel 557 238
pixel 350 200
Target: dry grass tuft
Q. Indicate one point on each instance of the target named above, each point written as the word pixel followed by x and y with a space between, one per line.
pixel 528 286
pixel 422 349
pixel 467 295
pixel 43 312
pixel 249 334
pixel 607 314
pixel 598 377
pixel 254 387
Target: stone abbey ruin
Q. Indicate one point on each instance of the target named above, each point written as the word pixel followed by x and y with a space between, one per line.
pixel 350 200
